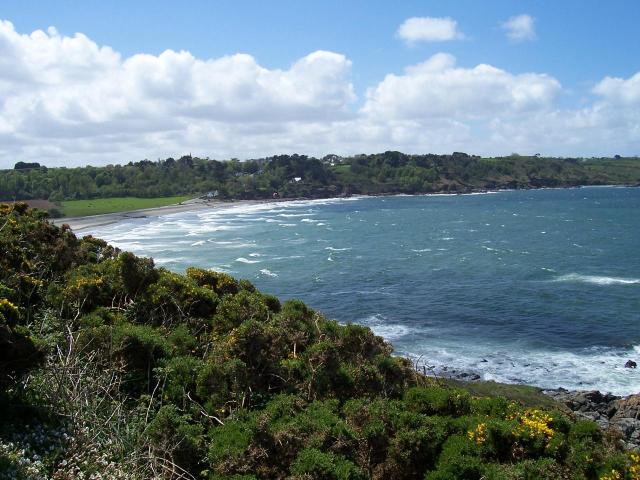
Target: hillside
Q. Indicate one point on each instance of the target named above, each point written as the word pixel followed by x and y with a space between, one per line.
pixel 113 368
pixel 300 176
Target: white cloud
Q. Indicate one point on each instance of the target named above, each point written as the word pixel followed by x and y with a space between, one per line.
pixel 520 28
pixel 620 91
pixel 64 100
pixel 437 88
pixel 428 29
pixel 73 94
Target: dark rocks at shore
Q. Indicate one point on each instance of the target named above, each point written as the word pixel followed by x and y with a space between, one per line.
pixel 630 364
pixel 610 412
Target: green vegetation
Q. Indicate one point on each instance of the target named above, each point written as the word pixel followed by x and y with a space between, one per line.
pixel 98 206
pixel 113 368
pixel 300 176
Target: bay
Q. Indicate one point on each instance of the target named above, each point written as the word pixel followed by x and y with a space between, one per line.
pixel 534 286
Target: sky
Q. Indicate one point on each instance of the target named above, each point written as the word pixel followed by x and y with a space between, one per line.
pixel 97 82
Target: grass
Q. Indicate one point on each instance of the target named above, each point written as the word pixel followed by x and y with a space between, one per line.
pixel 98 206
pixel 529 396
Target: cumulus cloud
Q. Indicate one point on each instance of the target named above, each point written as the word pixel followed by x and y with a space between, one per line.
pixel 428 29
pixel 487 111
pixel 64 100
pixel 520 28
pixel 438 88
pixel 620 91
pixel 56 88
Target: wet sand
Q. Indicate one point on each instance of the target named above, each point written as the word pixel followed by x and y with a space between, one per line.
pixel 78 224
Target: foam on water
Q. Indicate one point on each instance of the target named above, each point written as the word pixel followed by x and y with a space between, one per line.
pixel 236 245
pixel 597 280
pixel 268 272
pixel 589 369
pixel 457 306
pixel 246 260
pixel 385 329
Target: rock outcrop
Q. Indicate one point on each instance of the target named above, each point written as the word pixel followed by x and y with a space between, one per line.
pixel 608 411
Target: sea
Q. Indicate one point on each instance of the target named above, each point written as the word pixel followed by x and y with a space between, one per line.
pixel 538 287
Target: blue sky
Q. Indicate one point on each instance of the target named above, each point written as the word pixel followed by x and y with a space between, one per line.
pixel 577 44
pixel 578 41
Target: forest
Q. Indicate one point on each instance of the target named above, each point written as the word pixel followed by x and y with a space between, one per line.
pixel 297 176
pixel 111 367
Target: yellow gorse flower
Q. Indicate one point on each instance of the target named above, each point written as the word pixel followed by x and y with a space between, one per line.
pixel 6 304
pixel 532 422
pixel 634 468
pixel 613 475
pixel 479 435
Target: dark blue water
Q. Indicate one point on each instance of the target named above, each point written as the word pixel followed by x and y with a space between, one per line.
pixel 539 287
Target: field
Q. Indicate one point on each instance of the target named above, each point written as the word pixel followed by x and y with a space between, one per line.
pixel 81 208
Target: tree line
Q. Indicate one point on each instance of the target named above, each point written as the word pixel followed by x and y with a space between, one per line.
pixel 303 176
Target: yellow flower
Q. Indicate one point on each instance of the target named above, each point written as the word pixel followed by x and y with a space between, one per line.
pixel 4 303
pixel 479 435
pixel 634 468
pixel 613 475
pixel 533 422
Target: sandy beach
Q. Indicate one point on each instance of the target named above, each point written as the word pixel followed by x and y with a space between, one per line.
pixel 78 224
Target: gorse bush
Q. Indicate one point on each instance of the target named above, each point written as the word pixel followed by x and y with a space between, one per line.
pixel 153 374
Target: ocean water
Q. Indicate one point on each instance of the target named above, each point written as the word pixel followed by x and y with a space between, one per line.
pixel 539 287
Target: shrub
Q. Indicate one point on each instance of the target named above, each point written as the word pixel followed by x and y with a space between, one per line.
pixel 438 401
pixel 173 437
pixel 541 469
pixel 459 460
pixel 491 406
pixel 136 273
pixel 9 313
pixel 412 452
pixel 175 297
pixel 314 464
pixel 180 374
pixel 219 282
pixel 235 309
pixel 140 347
pixel 222 384
pixel 182 342
pixel 88 287
pixel 585 430
pixel 228 443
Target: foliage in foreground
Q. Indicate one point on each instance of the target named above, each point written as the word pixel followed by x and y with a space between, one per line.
pixel 113 368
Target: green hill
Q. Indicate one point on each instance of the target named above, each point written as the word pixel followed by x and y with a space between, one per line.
pixel 301 176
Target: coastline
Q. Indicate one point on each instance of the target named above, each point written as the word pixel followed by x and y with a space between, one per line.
pixel 617 415
pixel 91 221
pixel 611 412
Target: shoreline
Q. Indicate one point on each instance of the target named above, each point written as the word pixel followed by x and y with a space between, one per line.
pixel 610 412
pixel 617 414
pixel 91 221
